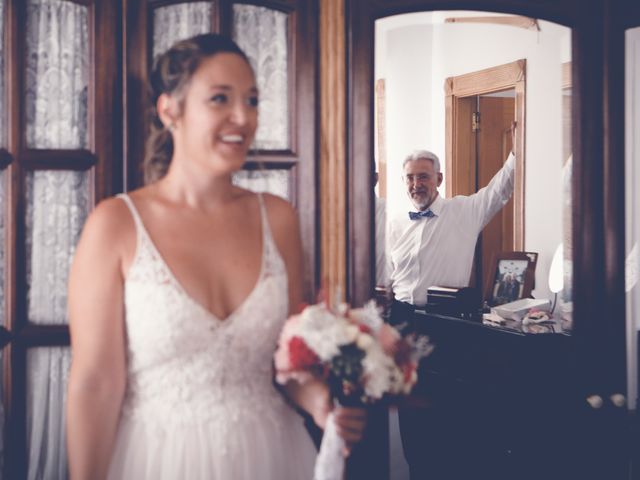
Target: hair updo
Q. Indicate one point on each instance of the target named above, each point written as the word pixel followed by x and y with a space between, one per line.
pixel 171 74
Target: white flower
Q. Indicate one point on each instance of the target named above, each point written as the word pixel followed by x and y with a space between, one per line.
pixel 324 332
pixel 351 333
pixel 377 367
pixel 364 341
pixel 368 315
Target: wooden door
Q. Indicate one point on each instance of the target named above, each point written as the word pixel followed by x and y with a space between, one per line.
pixel 481 143
pixel 493 138
pixel 480 107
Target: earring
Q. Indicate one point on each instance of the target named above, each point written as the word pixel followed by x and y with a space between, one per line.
pixel 171 127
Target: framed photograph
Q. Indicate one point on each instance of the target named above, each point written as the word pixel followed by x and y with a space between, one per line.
pixel 512 277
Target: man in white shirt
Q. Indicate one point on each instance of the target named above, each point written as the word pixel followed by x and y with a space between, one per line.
pixel 434 245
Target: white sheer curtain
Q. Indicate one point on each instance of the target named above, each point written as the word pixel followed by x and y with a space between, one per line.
pixel 46 393
pixel 276 182
pixel 57 74
pixel 3 127
pixel 2 300
pixel 262 34
pixel 177 22
pixel 3 113
pixel 2 187
pixel 57 206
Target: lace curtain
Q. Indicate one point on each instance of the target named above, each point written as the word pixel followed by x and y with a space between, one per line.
pixel 2 209
pixel 272 181
pixel 3 129
pixel 47 380
pixel 262 34
pixel 3 113
pixel 56 74
pixel 57 206
pixel 57 203
pixel 177 22
pixel 2 300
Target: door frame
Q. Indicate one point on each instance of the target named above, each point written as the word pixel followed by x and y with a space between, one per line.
pixel 489 80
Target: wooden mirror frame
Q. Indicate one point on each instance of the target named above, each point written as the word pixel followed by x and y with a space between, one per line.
pixel 598 168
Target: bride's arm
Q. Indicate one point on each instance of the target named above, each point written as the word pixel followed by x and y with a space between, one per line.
pixel 313 397
pixel 97 376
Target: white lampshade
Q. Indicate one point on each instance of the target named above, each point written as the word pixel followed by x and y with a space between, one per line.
pixel 556 272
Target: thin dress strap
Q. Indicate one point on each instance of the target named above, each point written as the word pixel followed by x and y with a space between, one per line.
pixel 272 260
pixel 266 229
pixel 134 212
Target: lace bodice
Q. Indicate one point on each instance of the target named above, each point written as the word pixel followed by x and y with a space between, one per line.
pixel 184 364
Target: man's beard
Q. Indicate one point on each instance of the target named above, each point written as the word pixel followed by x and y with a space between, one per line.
pixel 421 201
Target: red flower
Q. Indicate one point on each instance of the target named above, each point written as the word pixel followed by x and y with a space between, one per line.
pixel 301 356
pixel 408 369
pixel 364 328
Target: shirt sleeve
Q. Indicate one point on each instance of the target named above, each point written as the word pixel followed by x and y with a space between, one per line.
pixel 392 239
pixel 490 199
pixel 382 277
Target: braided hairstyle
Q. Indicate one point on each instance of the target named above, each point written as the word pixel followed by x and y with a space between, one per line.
pixel 171 74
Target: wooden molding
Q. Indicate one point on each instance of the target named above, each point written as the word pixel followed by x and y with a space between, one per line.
pixel 510 20
pixel 333 148
pixel 488 80
pixel 519 185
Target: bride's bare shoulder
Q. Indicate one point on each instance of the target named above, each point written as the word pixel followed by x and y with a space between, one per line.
pixel 110 228
pixel 283 221
pixel 281 214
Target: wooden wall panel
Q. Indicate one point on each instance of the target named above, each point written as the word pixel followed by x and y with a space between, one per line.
pixel 333 147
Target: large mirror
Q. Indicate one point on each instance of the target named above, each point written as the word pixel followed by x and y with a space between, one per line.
pixel 453 83
pixel 632 208
pixel 456 83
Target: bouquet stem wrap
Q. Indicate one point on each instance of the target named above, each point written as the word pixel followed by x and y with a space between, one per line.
pixel 330 461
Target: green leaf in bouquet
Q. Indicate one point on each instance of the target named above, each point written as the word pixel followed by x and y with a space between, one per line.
pixel 345 374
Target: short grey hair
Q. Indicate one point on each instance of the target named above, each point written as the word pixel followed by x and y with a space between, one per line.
pixel 423 155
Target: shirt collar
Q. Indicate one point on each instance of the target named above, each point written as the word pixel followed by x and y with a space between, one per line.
pixel 436 206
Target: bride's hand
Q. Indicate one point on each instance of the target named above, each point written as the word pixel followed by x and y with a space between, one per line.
pixel 321 404
pixel 350 423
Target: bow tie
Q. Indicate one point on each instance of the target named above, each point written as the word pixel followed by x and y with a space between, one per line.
pixel 418 215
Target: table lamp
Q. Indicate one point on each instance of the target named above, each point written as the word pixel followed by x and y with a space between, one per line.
pixel 556 274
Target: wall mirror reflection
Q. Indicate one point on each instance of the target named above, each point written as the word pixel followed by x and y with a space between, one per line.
pixel 471 87
pixel 632 180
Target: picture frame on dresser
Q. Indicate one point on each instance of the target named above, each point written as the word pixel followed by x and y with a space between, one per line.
pixel 511 278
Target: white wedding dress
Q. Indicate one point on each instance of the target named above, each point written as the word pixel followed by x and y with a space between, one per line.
pixel 200 402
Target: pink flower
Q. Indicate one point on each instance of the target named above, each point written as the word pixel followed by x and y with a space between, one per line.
pixel 389 339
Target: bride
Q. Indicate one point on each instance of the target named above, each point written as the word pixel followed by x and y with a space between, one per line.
pixel 177 295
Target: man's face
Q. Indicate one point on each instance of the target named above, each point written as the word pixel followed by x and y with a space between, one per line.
pixel 422 182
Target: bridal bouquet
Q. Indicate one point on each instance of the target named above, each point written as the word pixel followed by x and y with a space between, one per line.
pixel 362 360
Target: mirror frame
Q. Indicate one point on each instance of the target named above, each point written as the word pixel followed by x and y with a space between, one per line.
pixel 598 168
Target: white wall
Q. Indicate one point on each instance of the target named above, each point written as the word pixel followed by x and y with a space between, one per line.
pixel 416 52
pixel 408 122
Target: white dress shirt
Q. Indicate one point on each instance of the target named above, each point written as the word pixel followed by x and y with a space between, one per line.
pixel 382 277
pixel 439 250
